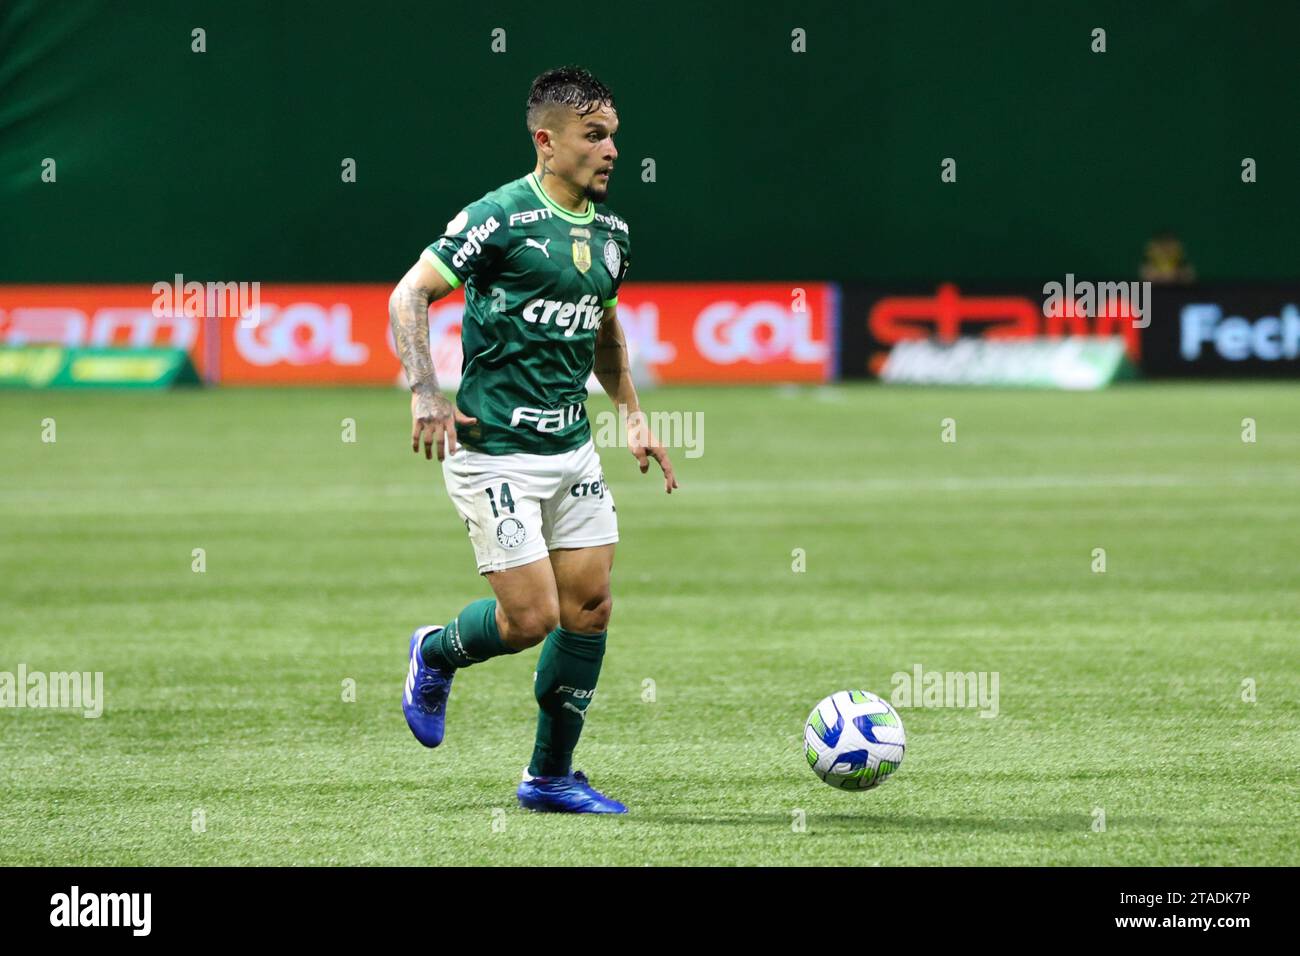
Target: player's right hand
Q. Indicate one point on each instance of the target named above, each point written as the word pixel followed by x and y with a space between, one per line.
pixel 433 421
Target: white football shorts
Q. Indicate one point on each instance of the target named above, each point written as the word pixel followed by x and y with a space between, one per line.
pixel 517 507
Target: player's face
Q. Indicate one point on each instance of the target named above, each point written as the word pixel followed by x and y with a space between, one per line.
pixel 585 153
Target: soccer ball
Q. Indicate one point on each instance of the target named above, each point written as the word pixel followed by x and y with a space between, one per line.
pixel 854 740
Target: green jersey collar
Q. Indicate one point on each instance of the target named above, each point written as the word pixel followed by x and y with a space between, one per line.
pixel 576 218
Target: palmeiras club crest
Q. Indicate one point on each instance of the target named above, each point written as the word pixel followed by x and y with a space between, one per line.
pixel 511 532
pixel 613 258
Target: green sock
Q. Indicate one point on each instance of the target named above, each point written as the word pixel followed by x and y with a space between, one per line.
pixel 470 638
pixel 567 670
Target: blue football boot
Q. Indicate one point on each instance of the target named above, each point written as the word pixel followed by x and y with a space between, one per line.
pixel 571 794
pixel 424 698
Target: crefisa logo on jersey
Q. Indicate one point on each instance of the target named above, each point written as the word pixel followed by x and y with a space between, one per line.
pixel 585 314
pixel 510 532
pixel 611 221
pixel 474 239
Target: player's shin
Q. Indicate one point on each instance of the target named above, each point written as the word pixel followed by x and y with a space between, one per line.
pixel 567 670
pixel 471 637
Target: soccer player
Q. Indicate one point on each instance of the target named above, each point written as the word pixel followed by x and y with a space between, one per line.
pixel 541 259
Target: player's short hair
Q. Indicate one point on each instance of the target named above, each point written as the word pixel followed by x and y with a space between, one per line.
pixel 568 86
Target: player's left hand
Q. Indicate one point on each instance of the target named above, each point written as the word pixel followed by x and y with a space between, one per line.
pixel 643 445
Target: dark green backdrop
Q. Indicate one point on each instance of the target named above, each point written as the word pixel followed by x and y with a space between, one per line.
pixel 771 165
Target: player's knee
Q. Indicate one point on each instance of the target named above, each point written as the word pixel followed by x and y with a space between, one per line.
pixel 530 627
pixel 594 615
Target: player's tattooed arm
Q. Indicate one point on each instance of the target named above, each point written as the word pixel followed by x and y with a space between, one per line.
pixel 615 377
pixel 433 416
pixel 611 365
pixel 408 313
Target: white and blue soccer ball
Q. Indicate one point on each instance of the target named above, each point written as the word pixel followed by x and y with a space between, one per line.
pixel 854 740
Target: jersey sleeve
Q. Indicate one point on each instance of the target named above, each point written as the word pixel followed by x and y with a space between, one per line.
pixel 472 245
pixel 625 247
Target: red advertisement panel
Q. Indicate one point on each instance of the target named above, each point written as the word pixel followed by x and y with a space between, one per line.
pixel 313 334
pixel 731 332
pixel 81 316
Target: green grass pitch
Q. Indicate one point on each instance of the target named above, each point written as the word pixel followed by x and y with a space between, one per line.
pixel 1120 693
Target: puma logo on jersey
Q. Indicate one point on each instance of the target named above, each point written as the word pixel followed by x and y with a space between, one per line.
pixel 566 315
pixel 539 245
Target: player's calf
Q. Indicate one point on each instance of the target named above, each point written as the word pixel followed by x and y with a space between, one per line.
pixel 472 636
pixel 436 653
pixel 529 627
pixel 567 672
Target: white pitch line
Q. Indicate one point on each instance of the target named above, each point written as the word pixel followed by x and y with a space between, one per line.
pixel 994 483
pixel 187 499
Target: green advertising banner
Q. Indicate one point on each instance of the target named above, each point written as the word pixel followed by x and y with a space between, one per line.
pixel 30 367
pixel 59 367
pixel 1081 364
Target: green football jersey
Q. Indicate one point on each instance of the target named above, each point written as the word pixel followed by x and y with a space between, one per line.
pixel 537 280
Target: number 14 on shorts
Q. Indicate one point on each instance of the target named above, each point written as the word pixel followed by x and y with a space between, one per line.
pixel 507 500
